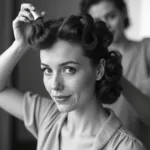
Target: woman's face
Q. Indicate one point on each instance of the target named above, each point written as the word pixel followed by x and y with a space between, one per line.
pixel 68 76
pixel 112 16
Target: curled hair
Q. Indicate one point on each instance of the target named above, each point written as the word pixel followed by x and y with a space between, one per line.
pixel 120 4
pixel 94 37
pixel 109 87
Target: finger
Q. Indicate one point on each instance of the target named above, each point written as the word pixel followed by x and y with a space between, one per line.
pixel 26 14
pixel 36 14
pixel 30 8
pixel 23 19
pixel 27 6
pixel 19 21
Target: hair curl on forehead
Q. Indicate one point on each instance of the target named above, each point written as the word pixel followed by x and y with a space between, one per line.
pixel 120 5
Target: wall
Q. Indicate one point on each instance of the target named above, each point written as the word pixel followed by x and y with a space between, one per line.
pixel 140 23
pixel 6 36
pixel 145 21
pixel 134 9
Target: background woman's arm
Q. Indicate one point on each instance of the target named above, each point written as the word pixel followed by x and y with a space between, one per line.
pixel 139 101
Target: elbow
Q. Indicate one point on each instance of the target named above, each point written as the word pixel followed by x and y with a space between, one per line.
pixel 4 88
pixel 4 84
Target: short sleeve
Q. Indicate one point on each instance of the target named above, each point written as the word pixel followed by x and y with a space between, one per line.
pixel 131 145
pixel 129 142
pixel 36 110
pixel 145 82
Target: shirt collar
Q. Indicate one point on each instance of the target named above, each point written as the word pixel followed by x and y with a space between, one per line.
pixel 109 128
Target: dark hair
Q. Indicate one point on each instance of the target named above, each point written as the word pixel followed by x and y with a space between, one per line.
pixel 120 4
pixel 93 37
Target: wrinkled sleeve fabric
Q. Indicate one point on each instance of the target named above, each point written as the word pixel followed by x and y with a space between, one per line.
pixel 35 111
pixel 126 141
pixel 131 145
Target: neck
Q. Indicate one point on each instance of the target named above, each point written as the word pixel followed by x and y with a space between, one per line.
pixel 87 120
pixel 120 45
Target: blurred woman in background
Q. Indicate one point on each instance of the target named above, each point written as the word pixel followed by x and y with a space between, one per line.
pixel 132 107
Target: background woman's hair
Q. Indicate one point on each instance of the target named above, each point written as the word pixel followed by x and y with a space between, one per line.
pixel 94 37
pixel 120 5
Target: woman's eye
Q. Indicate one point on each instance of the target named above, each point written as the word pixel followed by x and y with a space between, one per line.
pixel 112 15
pixel 69 70
pixel 46 71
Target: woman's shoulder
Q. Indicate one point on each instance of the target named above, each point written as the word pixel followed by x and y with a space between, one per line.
pixel 144 46
pixel 38 101
pixel 125 140
pixel 145 40
pixel 37 105
pixel 31 97
pixel 141 42
pixel 38 112
pixel 140 48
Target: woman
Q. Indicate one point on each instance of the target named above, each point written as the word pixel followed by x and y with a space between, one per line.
pixel 132 107
pixel 78 73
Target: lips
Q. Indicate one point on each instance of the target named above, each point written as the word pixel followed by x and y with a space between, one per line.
pixel 61 98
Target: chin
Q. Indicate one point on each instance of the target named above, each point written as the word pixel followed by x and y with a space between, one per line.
pixel 66 109
pixel 115 39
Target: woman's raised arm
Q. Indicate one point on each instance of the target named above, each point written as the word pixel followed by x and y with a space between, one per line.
pixel 10 98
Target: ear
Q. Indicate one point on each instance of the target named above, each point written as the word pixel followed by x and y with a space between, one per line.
pixel 100 69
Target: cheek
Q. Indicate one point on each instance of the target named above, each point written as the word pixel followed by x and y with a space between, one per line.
pixel 114 24
pixel 82 83
pixel 120 24
pixel 75 85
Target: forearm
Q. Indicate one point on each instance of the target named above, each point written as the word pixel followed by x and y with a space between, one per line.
pixel 11 99
pixel 8 61
pixel 139 101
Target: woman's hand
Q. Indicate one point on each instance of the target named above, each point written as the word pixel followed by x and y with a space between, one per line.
pixel 23 22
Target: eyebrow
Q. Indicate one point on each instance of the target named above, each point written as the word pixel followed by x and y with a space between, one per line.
pixel 110 12
pixel 63 64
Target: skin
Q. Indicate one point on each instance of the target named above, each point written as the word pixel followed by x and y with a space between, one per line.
pixel 68 73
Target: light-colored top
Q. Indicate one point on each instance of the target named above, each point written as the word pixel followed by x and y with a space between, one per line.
pixel 136 62
pixel 44 121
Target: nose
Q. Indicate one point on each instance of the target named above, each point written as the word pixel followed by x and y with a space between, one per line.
pixel 108 25
pixel 57 83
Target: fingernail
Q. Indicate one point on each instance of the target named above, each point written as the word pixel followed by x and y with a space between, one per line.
pixel 33 8
pixel 35 15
